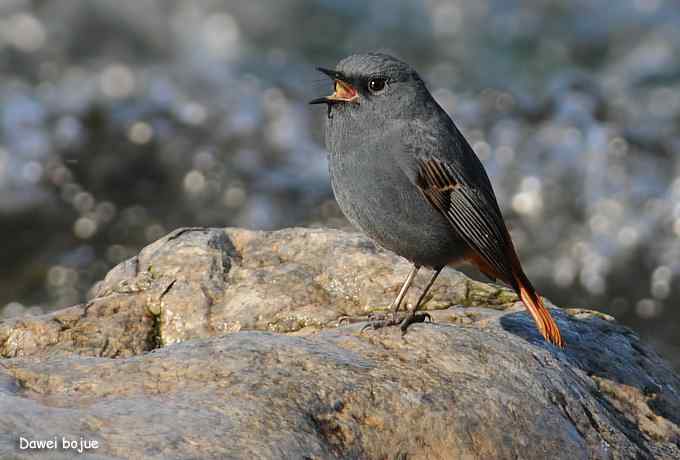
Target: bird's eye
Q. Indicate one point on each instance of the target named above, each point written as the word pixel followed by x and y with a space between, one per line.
pixel 376 85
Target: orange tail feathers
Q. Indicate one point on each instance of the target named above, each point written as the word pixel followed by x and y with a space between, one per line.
pixel 544 321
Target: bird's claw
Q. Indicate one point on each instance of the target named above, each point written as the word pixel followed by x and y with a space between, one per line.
pixel 376 316
pixel 385 321
pixel 379 320
pixel 346 320
pixel 414 318
pixel 395 320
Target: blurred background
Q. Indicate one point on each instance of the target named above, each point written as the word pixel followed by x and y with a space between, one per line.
pixel 122 120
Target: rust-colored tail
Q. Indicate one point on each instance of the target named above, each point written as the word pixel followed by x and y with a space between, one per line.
pixel 544 321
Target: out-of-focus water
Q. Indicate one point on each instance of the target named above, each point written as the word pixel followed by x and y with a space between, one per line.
pixel 122 120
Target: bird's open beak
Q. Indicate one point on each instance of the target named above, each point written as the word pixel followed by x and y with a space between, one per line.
pixel 344 92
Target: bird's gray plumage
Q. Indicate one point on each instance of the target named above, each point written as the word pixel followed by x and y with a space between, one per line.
pixel 377 151
pixel 403 173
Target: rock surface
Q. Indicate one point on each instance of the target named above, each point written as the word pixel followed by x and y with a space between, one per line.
pixel 226 346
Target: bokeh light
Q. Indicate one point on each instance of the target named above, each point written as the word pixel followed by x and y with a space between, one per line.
pixel 121 121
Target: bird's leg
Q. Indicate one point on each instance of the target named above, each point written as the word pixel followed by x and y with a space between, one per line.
pixel 396 303
pixel 394 307
pixel 411 317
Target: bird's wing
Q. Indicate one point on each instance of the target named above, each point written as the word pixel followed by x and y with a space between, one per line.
pixel 472 211
pixel 438 160
pixel 452 179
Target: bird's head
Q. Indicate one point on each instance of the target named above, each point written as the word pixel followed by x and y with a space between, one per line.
pixel 372 84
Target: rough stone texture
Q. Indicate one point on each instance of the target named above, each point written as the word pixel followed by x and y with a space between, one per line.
pixel 206 282
pixel 262 371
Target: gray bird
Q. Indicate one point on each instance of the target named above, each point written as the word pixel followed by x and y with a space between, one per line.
pixel 403 173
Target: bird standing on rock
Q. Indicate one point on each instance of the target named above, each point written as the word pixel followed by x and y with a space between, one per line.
pixel 403 173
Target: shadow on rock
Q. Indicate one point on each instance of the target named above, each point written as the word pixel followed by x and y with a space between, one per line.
pixel 629 377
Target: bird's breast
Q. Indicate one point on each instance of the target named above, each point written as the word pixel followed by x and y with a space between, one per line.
pixel 378 198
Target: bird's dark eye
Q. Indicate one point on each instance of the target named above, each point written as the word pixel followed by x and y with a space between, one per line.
pixel 376 85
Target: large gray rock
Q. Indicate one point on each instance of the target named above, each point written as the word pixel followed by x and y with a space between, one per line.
pixel 227 347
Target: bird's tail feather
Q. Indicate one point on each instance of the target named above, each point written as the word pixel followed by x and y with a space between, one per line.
pixel 544 321
pixel 515 277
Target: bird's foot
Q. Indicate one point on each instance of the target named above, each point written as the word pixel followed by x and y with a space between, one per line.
pixel 412 318
pixel 347 320
pixel 374 316
pixel 379 321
